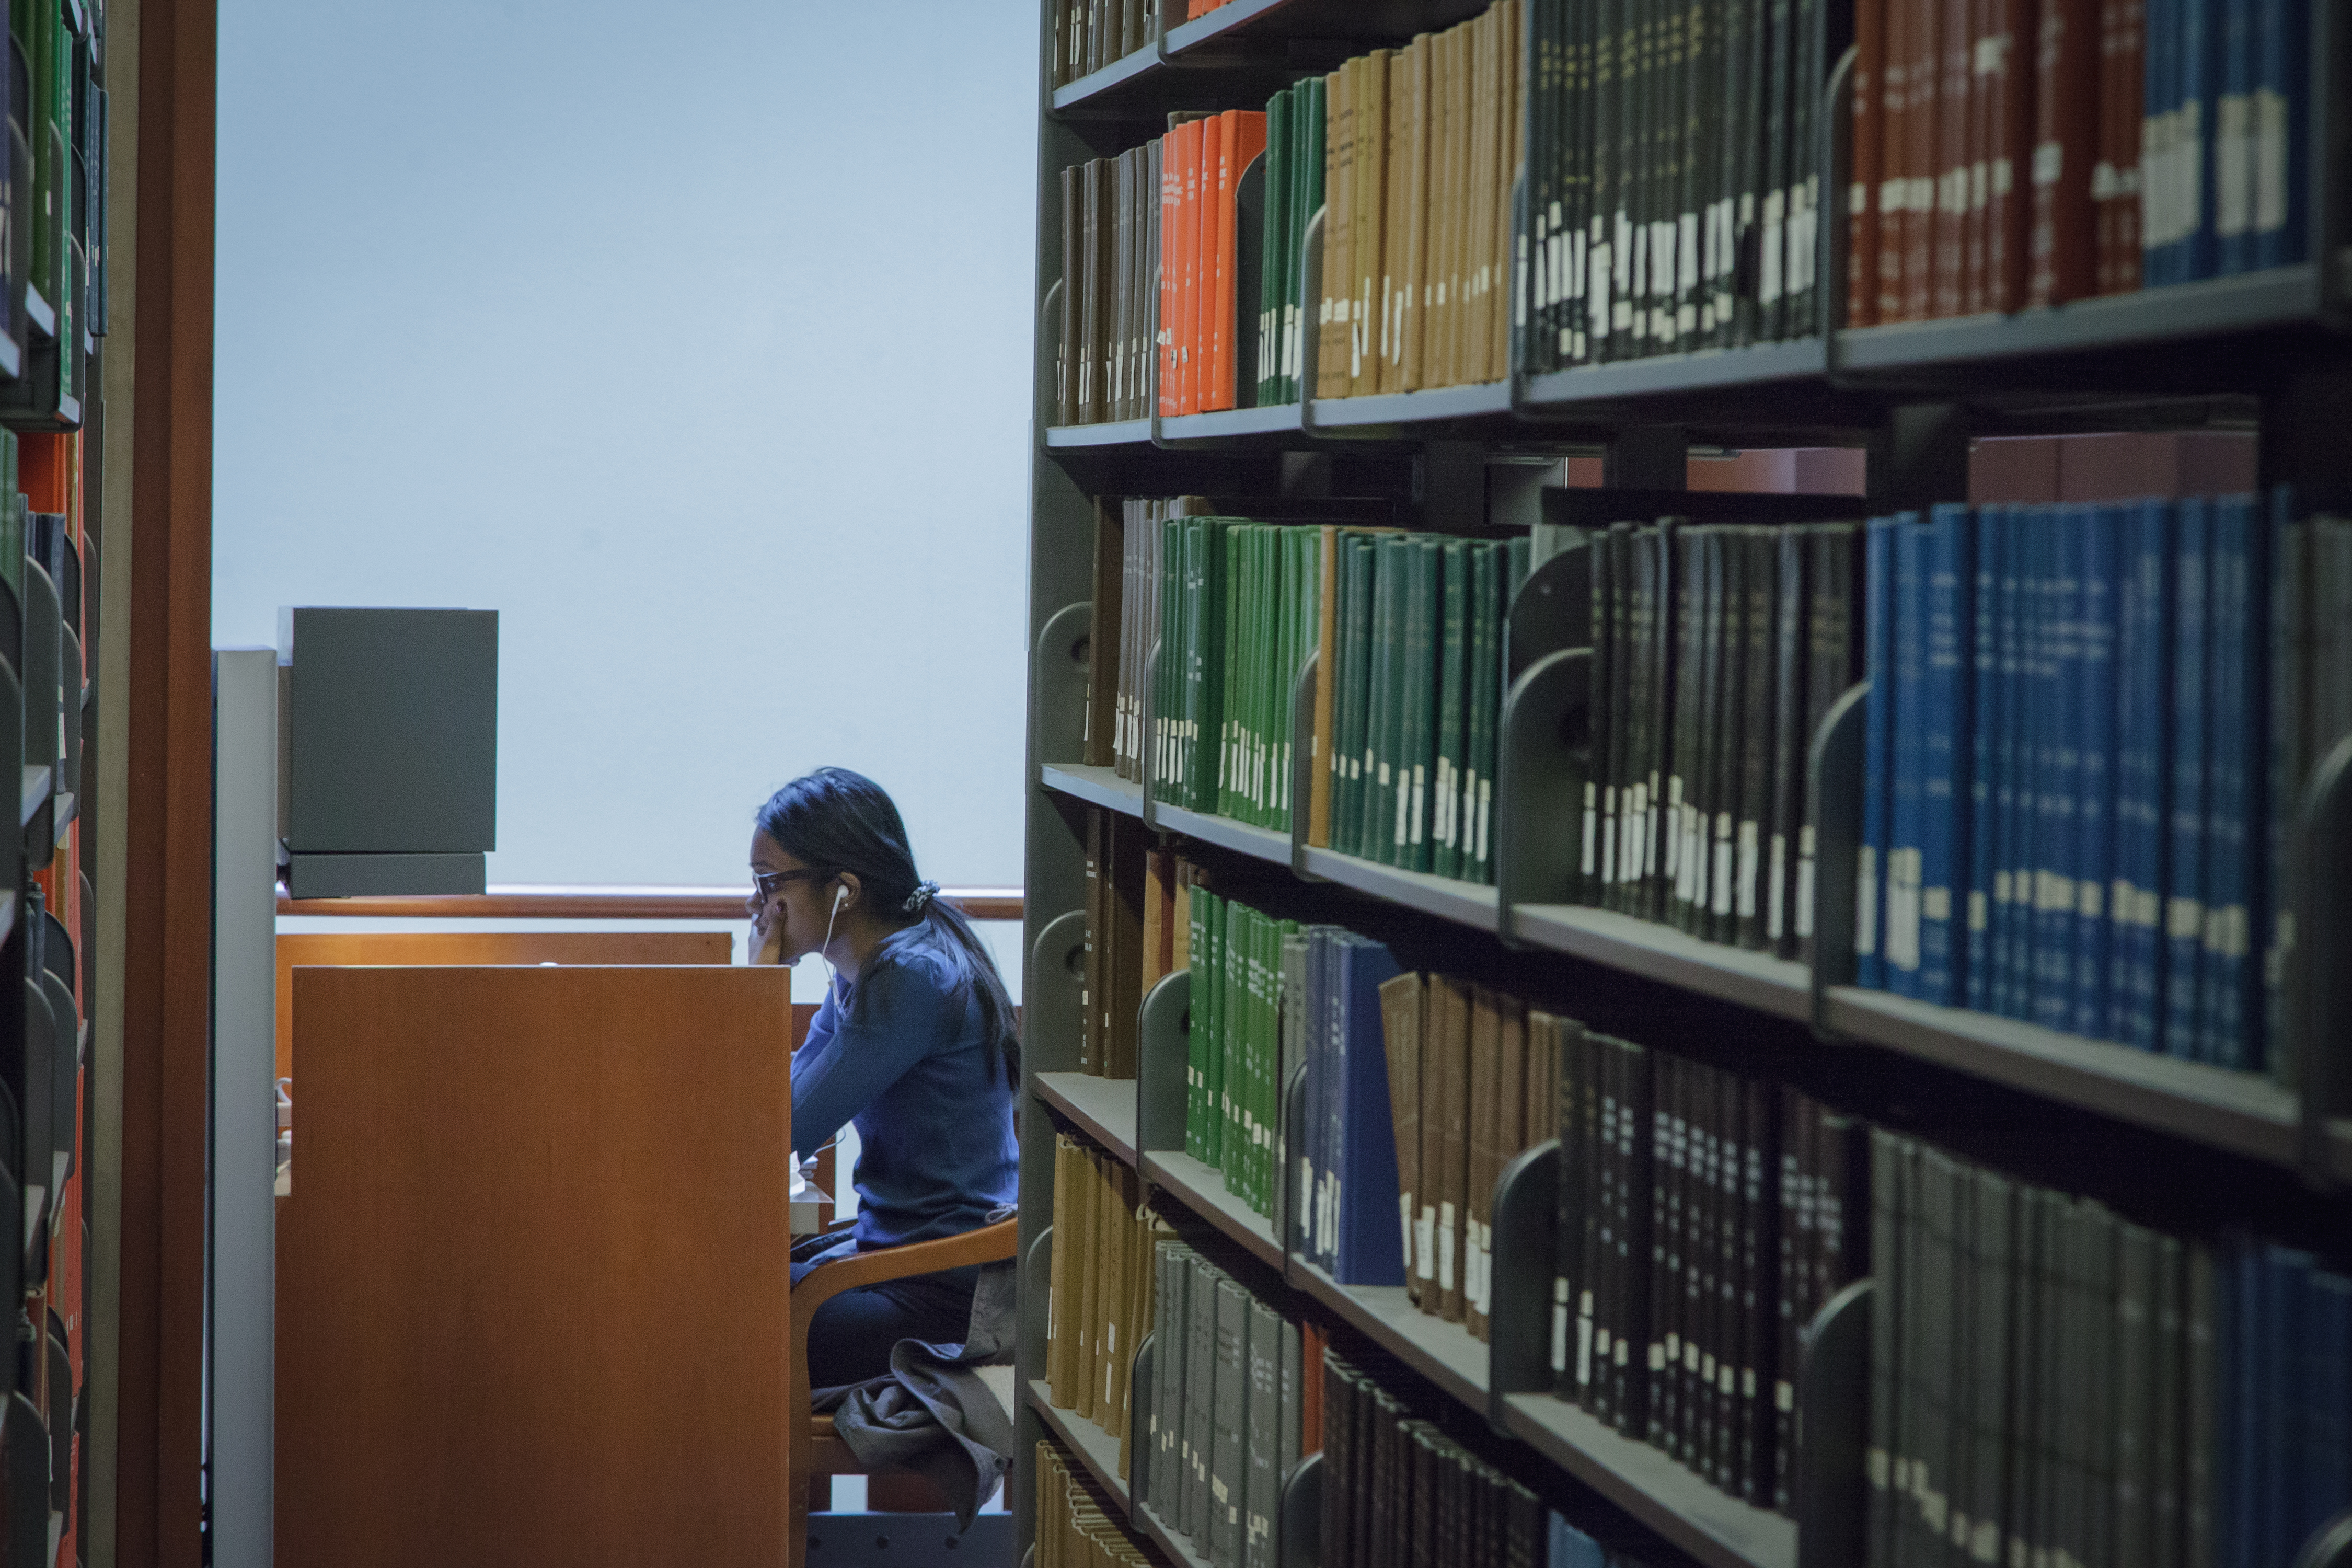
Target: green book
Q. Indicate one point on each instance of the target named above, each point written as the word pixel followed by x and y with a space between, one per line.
pixel 1347 661
pixel 1376 831
pixel 1485 705
pixel 1308 202
pixel 1453 734
pixel 1196 1041
pixel 1276 234
pixel 1418 716
pixel 1362 624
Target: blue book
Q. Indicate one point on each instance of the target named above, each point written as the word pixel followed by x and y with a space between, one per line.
pixel 2284 1343
pixel 2198 36
pixel 2282 67
pixel 1908 832
pixel 2289 608
pixel 2324 1443
pixel 2095 797
pixel 2184 894
pixel 1984 733
pixel 1877 752
pixel 1948 684
pixel 2143 753
pixel 1370 1249
pixel 2233 140
pixel 2159 85
pixel 2058 715
pixel 1570 1547
pixel 2033 533
pixel 2006 989
pixel 2239 705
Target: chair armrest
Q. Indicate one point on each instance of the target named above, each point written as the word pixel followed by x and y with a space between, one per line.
pixel 989 1243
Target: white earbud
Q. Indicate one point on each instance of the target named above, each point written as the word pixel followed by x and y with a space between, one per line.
pixel 839 896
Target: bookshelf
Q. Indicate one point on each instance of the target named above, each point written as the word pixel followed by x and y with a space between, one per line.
pixel 1913 394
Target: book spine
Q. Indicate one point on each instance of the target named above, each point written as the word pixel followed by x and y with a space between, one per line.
pixel 1983 730
pixel 2066 103
pixel 1910 825
pixel 1946 785
pixel 2095 802
pixel 1877 775
pixel 2184 924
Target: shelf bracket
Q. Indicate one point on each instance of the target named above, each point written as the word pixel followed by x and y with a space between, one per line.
pixel 1832 1429
pixel 1289 1219
pixel 1164 1049
pixel 1301 1514
pixel 1303 764
pixel 1054 1009
pixel 1540 797
pixel 1059 668
pixel 1833 860
pixel 2319 1013
pixel 1148 736
pixel 1524 1323
pixel 2331 1547
pixel 1552 610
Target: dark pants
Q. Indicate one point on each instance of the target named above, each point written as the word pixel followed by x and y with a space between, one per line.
pixel 851 1335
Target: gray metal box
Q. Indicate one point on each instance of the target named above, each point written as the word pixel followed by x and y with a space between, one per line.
pixel 389 741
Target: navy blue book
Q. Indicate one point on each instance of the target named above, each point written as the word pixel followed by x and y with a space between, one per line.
pixel 2239 706
pixel 2094 798
pixel 2160 88
pixel 1307 1160
pixel 2283 1345
pixel 1369 1250
pixel 1326 1103
pixel 1907 833
pixel 2184 906
pixel 1877 752
pixel 1983 732
pixel 2034 535
pixel 2058 766
pixel 1948 683
pixel 1570 1547
pixel 2290 609
pixel 2234 178
pixel 2199 37
pixel 2143 750
pixel 2324 1443
pixel 2282 107
pixel 2007 988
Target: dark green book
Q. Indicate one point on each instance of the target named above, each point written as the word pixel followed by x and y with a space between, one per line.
pixel 1599 850
pixel 1689 668
pixel 1634 797
pixel 1418 703
pixel 1393 556
pixel 1829 670
pixel 1760 553
pixel 1453 734
pixel 1274 272
pixel 2133 1381
pixel 1790 642
pixel 2167 1411
pixel 1993 1269
pixel 2202 1408
pixel 1350 653
pixel 1883 1467
pixel 1485 703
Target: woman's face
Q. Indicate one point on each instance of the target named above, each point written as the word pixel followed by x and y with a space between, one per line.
pixel 791 916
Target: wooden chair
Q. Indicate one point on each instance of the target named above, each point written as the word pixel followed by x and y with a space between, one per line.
pixel 815 1451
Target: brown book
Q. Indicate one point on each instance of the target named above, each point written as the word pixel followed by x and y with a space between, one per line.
pixel 1065 384
pixel 1510 69
pixel 1445 1142
pixel 1511 1083
pixel 2104 203
pixel 2009 119
pixel 1485 1129
pixel 1414 305
pixel 1338 233
pixel 2131 73
pixel 1369 204
pixel 1922 131
pixel 1394 224
pixel 1953 105
pixel 1086 1275
pixel 2063 248
pixel 1403 999
pixel 1974 285
pixel 1180 917
pixel 1058 1337
pixel 1158 900
pixel 1122 969
pixel 1869 108
pixel 1895 149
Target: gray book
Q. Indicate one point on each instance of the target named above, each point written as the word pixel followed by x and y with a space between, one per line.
pixel 1230 1428
pixel 1996 1264
pixel 1294 1017
pixel 1886 1322
pixel 1169 1277
pixel 2166 1413
pixel 1262 1451
pixel 1294 1374
pixel 1200 1381
pixel 2133 1380
pixel 2202 1407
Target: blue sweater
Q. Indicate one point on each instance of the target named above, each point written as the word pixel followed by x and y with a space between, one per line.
pixel 905 1059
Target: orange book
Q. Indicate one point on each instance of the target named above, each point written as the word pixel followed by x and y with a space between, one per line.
pixel 45 472
pixel 1171 202
pixel 1199 310
pixel 1244 139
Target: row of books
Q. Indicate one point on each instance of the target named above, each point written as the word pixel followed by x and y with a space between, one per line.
pixel 1091 34
pixel 1673 178
pixel 2066 814
pixel 55 202
pixel 2311 696
pixel 1131 939
pixel 1718 652
pixel 1105 366
pixel 2051 1380
pixel 1099 1288
pixel 1075 1528
pixel 1421 146
pixel 1235 1067
pixel 1229 1416
pixel 2028 154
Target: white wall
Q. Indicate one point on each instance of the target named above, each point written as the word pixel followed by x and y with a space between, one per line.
pixel 695 342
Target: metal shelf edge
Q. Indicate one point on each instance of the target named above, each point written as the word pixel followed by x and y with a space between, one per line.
pixel 1430 406
pixel 1716 1530
pixel 1188 1181
pixel 34 792
pixel 1094 1448
pixel 44 318
pixel 1113 433
pixel 1440 1351
pixel 1174 1543
pixel 1659 952
pixel 1096 787
pixel 1700 371
pixel 1096 1110
pixel 1120 73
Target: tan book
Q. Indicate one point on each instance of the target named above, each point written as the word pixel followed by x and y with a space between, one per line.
pixel 1155 916
pixel 1180 920
pixel 1451 1184
pixel 1117 1344
pixel 1441 1000
pixel 1401 1002
pixel 1086 1275
pixel 1392 220
pixel 1462 136
pixel 1372 95
pixel 1436 369
pixel 1090 978
pixel 1058 1279
pixel 1327 663
pixel 1486 127
pixel 1514 158
pixel 1413 304
pixel 1482 1162
pixel 1339 212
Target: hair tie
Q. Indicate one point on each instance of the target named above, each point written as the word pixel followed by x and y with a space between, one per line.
pixel 918 901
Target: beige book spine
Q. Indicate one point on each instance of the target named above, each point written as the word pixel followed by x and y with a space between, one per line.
pixel 1338 211
pixel 1371 99
pixel 1413 307
pixel 1403 1002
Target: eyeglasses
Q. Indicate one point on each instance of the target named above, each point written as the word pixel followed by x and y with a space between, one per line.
pixel 769 883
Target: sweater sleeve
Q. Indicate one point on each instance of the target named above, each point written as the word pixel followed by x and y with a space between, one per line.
pixel 847 1062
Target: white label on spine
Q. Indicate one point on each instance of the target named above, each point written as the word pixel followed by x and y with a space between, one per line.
pixel 1486 802
pixel 2270 134
pixel 1865 900
pixel 1584 1342
pixel 1979 911
pixel 1722 879
pixel 1935 903
pixel 1591 827
pixel 1445 1246
pixel 1776 884
pixel 2185 918
pixel 1902 908
pixel 2234 166
pixel 1425 1242
pixel 2049 163
pixel 1747 872
pixel 1559 1332
pixel 1776 208
pixel 1404 1222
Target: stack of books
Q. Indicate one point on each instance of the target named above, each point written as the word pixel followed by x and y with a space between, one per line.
pixel 1099 1286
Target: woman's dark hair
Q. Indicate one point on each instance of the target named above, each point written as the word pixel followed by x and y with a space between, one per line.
pixel 835 820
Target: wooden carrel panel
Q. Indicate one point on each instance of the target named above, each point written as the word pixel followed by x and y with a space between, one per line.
pixel 436 947
pixel 532 1289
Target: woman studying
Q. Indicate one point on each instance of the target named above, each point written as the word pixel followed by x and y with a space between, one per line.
pixel 915 1043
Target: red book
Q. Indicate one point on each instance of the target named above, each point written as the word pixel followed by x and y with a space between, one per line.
pixel 1953 102
pixel 1895 144
pixel 2064 247
pixel 1869 125
pixel 1976 285
pixel 1922 132
pixel 2008 218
